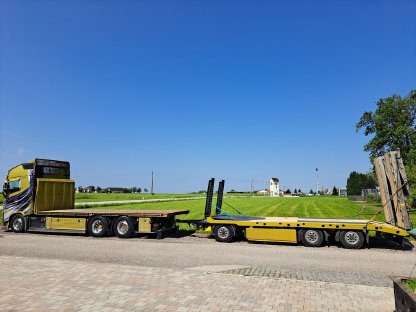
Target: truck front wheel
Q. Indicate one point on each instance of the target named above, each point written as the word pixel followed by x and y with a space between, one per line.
pixel 124 227
pixel 18 224
pixel 98 226
pixel 224 233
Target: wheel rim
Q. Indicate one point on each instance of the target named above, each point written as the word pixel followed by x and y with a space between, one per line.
pixel 122 227
pixel 97 227
pixel 17 224
pixel 311 236
pixel 223 232
pixel 352 238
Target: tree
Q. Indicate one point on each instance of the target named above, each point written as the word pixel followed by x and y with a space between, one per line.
pixel 335 191
pixel 392 125
pixel 139 190
pixel 98 189
pixel 80 189
pixel 288 191
pixel 358 181
pixel 145 190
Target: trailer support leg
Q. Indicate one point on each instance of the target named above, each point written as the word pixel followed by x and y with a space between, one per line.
pixel 367 237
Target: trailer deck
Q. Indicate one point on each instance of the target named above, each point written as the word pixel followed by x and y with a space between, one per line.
pixel 114 212
pixel 299 223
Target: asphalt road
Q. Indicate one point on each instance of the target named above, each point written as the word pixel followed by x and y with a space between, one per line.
pixel 330 264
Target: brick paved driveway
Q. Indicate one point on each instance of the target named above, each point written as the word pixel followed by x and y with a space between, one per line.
pixel 34 284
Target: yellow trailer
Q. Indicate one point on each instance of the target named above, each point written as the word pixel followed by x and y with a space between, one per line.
pixel 351 233
pixel 311 232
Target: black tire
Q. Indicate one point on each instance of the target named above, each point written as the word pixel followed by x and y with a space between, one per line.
pixel 312 237
pixel 18 224
pixel 352 239
pixel 224 233
pixel 98 226
pixel 124 227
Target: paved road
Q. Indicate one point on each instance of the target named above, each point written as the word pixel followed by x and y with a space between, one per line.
pixel 46 272
pixel 331 264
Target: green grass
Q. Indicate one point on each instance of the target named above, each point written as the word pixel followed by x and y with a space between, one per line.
pixel 411 283
pixel 308 207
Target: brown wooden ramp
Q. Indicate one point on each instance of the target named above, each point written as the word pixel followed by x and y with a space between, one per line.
pixel 394 188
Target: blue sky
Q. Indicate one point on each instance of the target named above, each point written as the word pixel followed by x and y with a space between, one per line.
pixel 238 90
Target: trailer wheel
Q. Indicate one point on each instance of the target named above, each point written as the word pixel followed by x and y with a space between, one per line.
pixel 351 239
pixel 312 238
pixel 124 227
pixel 224 233
pixel 98 226
pixel 18 224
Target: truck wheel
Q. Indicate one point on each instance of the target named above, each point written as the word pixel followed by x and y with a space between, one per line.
pixel 18 224
pixel 124 227
pixel 312 238
pixel 224 233
pixel 98 226
pixel 351 239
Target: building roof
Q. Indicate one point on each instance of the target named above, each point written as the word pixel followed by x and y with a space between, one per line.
pixel 275 179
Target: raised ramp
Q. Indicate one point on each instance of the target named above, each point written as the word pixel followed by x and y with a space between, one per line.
pixel 394 188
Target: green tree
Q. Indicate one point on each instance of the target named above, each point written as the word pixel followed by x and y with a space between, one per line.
pixel 392 125
pixel 335 191
pixel 358 181
pixel 354 184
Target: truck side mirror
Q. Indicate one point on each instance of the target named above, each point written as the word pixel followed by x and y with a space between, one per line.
pixel 5 189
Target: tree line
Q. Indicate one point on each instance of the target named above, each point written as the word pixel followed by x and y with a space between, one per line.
pixel 98 189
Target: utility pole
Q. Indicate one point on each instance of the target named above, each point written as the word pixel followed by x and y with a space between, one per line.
pixel 317 181
pixel 252 187
pixel 151 190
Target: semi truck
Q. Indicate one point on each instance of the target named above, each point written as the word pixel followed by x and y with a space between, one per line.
pixel 40 196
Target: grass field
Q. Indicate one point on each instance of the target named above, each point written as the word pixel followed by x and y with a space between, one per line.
pixel 310 207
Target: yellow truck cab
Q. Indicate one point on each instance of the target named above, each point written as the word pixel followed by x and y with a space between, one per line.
pixel 28 188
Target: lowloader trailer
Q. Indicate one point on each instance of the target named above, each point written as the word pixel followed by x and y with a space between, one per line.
pixel 39 196
pixel 351 233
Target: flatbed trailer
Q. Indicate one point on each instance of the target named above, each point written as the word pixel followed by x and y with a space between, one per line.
pixel 311 232
pixel 39 196
pixel 351 233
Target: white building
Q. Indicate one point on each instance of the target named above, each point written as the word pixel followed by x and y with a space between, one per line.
pixel 274 187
